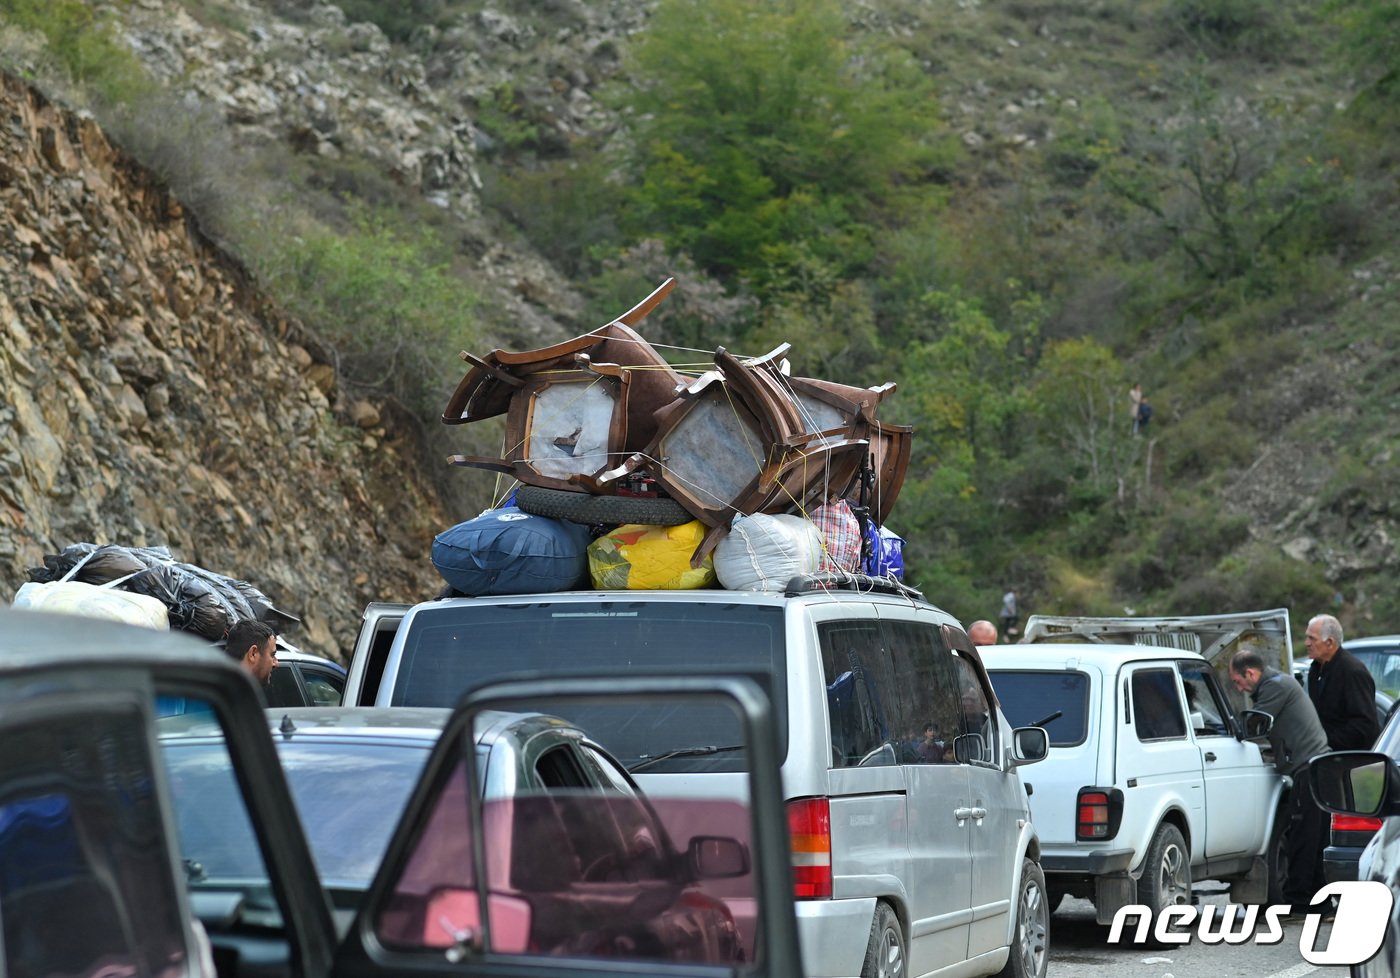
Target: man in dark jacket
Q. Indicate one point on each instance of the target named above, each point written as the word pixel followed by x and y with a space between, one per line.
pixel 1340 687
pixel 1296 737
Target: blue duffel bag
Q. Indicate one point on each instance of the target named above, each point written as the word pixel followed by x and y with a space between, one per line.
pixel 507 551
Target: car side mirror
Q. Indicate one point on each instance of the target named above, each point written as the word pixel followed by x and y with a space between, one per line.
pixel 1257 724
pixel 1354 783
pixel 1028 745
pixel 717 857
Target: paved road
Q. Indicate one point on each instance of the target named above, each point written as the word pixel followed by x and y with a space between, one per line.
pixel 1079 948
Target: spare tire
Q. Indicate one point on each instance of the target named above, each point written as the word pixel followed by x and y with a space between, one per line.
pixel 583 507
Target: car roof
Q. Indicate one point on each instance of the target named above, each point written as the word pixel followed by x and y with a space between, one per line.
pixel 1071 655
pixel 30 639
pixel 409 722
pixel 406 723
pixel 833 595
pixel 286 652
pixel 1370 641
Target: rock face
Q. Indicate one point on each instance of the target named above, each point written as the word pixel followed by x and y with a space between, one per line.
pixel 149 396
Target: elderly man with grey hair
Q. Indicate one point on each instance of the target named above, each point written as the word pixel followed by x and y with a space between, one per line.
pixel 1340 687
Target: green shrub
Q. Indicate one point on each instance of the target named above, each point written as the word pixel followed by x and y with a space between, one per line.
pixel 1202 438
pixel 567 209
pixel 85 46
pixel 396 18
pixel 1256 576
pixel 384 297
pixel 1255 27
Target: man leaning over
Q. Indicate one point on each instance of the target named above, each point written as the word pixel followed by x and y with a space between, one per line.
pixel 1296 737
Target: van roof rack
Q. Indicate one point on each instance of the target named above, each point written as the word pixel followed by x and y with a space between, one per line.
pixel 808 583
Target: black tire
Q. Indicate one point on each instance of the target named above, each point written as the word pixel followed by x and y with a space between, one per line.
pixel 887 955
pixel 1054 896
pixel 584 507
pixel 1030 939
pixel 1166 873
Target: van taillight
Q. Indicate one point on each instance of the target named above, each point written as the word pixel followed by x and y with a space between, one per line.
pixel 1355 823
pixel 809 826
pixel 1099 812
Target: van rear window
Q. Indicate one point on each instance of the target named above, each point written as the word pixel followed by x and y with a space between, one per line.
pixel 1027 698
pixel 452 649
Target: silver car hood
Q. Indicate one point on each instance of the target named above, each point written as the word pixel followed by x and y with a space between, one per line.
pixel 1217 637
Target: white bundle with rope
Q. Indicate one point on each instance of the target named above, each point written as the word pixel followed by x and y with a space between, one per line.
pixel 763 552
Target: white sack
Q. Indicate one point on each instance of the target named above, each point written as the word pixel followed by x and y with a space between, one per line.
pixel 91 601
pixel 763 552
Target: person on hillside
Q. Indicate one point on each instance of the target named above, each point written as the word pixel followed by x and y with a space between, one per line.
pixel 1341 688
pixel 1134 399
pixel 1296 737
pixel 254 645
pixel 982 632
pixel 1144 416
pixel 1009 616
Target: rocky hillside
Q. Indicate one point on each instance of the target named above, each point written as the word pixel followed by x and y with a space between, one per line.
pixel 150 397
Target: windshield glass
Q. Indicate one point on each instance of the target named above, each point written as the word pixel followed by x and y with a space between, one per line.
pixel 1030 697
pixel 453 648
pixel 349 796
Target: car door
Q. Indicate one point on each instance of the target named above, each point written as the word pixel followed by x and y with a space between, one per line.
pixel 1236 777
pixel 1156 757
pixel 430 911
pixel 997 803
pixel 921 688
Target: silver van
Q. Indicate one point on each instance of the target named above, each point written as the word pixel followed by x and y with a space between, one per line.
pixel 899 769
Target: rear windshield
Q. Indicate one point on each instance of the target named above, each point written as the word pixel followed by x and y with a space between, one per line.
pixel 451 649
pixel 1029 698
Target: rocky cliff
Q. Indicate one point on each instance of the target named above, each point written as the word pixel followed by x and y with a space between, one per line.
pixel 150 396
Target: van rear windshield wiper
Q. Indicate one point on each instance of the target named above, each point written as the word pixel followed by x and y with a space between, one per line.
pixel 647 760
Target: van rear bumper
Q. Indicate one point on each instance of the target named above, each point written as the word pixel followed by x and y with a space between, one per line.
pixel 1096 862
pixel 833 935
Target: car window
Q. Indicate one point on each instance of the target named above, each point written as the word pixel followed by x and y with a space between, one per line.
pixel 977 726
pixel 217 841
pixel 857 679
pixel 1157 711
pixel 349 796
pixel 282 688
pixel 893 693
pixel 1205 702
pixel 923 686
pixel 578 873
pixel 1384 666
pixel 1032 698
pixel 80 833
pixel 324 687
pixel 456 648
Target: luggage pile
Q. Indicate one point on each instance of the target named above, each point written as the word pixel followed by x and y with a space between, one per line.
pixel 145 586
pixel 634 473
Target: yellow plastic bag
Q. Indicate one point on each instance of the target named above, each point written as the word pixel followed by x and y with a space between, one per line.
pixel 634 557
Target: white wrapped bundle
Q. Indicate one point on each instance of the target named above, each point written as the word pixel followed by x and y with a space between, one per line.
pixel 92 601
pixel 763 552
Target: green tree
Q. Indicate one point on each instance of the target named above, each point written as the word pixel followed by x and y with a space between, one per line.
pixel 1234 189
pixel 1371 40
pixel 1081 407
pixel 767 136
